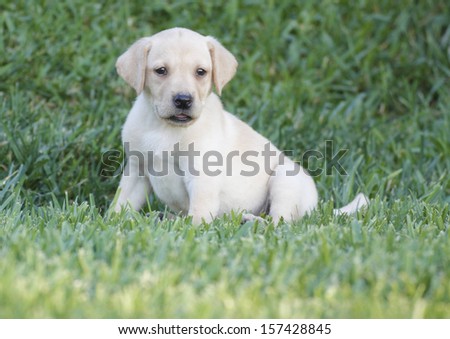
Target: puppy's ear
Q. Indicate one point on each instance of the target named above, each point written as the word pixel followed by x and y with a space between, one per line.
pixel 132 64
pixel 223 62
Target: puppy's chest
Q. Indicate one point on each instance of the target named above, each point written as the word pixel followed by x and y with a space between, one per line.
pixel 166 173
pixel 171 190
pixel 163 158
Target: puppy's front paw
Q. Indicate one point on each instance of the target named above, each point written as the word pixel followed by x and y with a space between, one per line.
pixel 246 217
pixel 163 216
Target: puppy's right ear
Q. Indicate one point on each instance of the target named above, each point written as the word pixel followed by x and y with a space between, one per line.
pixel 132 64
pixel 224 63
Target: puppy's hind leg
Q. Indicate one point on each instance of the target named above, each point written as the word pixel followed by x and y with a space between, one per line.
pixel 292 192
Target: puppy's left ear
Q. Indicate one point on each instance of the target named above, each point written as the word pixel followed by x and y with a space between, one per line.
pixel 132 64
pixel 223 62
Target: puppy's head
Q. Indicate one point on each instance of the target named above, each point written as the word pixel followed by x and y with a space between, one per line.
pixel 177 68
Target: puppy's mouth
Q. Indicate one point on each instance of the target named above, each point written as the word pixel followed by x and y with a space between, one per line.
pixel 180 119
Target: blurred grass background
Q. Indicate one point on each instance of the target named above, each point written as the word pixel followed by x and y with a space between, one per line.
pixel 371 77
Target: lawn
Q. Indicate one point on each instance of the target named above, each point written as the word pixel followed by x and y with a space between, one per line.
pixel 371 78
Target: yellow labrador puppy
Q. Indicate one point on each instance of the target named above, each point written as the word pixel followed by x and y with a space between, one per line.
pixel 196 157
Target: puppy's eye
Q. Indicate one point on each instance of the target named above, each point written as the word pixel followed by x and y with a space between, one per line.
pixel 161 71
pixel 200 72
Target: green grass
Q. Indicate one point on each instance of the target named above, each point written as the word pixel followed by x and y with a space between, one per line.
pixel 371 76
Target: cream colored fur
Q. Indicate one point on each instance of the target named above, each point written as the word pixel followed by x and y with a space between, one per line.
pixel 150 129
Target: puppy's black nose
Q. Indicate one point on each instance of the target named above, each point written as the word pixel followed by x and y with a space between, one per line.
pixel 182 101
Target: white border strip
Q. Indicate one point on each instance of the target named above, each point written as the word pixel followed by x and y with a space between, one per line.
pixel 183 328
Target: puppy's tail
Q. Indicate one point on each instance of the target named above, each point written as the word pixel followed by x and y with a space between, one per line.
pixel 360 201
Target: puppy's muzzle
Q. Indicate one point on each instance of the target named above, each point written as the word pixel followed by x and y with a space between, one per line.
pixel 182 102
